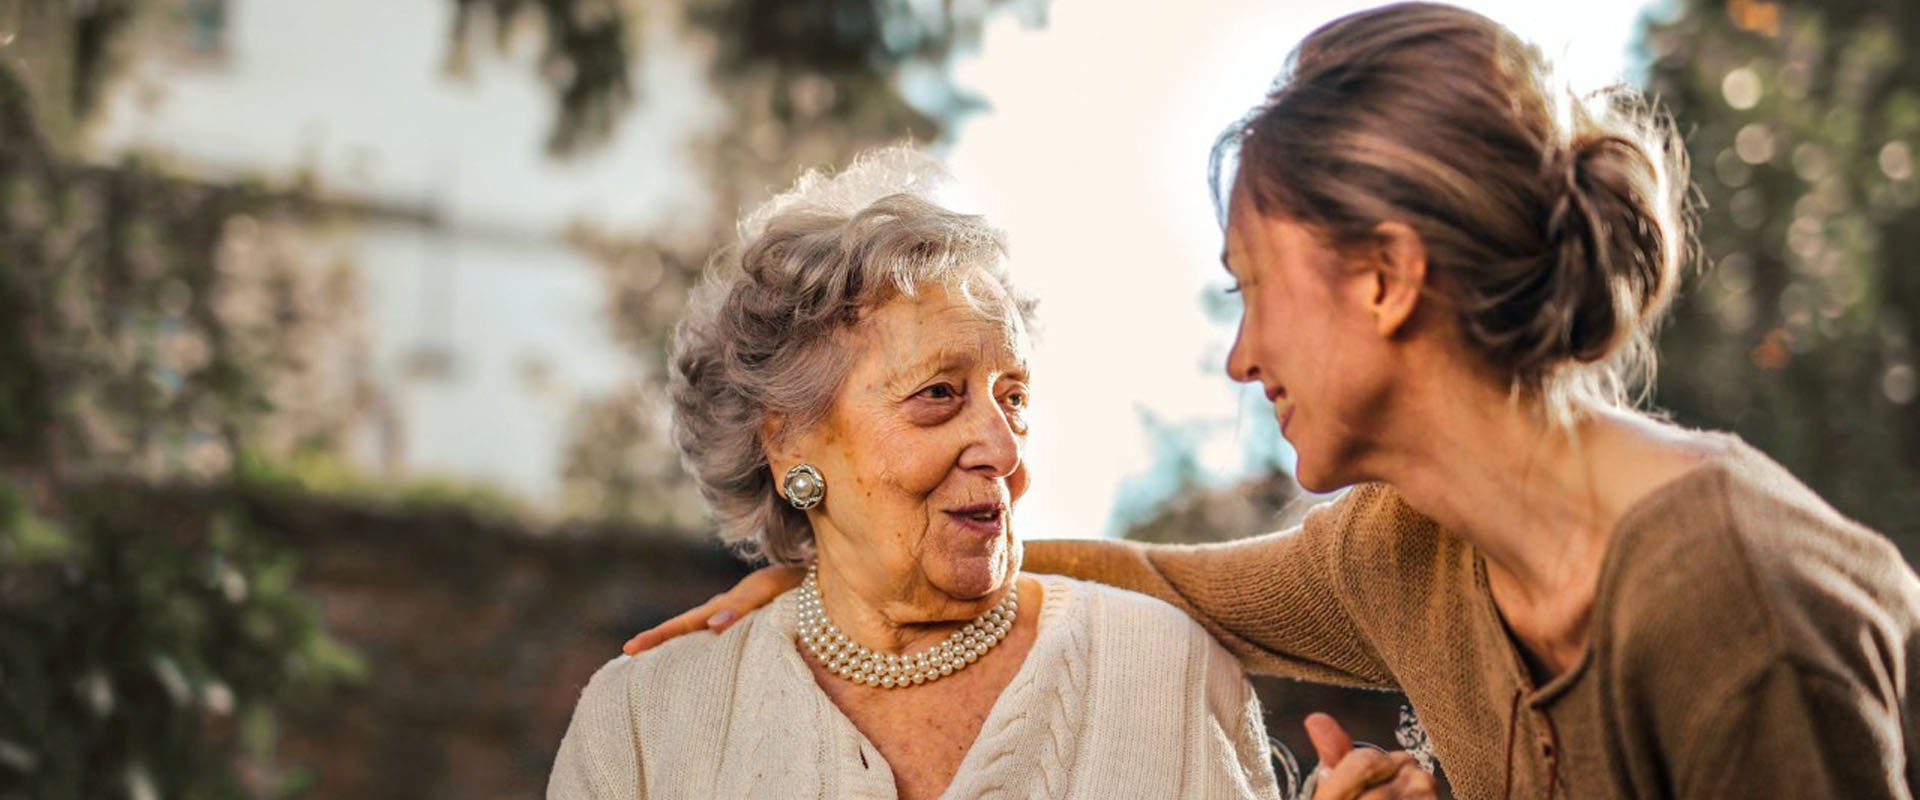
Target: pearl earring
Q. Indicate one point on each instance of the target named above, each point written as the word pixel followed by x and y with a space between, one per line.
pixel 804 486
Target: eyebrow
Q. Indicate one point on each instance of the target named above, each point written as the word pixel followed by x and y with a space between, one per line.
pixel 911 371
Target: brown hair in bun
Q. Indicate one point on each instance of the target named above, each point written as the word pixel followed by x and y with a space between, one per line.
pixel 1553 224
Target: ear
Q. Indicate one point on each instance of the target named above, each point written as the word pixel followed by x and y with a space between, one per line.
pixel 1398 275
pixel 776 444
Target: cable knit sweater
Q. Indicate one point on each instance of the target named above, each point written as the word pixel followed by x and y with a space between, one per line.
pixel 1120 696
pixel 1746 641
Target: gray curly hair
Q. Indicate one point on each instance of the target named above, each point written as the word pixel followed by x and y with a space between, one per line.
pixel 762 334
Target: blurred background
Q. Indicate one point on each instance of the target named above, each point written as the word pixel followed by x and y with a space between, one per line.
pixel 332 459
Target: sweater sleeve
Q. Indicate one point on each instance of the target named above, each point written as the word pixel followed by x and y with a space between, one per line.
pixel 599 757
pixel 1796 732
pixel 1279 603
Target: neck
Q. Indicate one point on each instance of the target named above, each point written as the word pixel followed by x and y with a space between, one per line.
pixel 1523 492
pixel 897 621
pixel 1539 501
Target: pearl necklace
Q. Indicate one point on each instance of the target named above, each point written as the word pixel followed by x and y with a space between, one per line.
pixel 853 661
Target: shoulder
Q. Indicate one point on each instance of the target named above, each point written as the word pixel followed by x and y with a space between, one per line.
pixel 1109 611
pixel 608 685
pixel 658 718
pixel 1145 631
pixel 605 702
pixel 1370 512
pixel 1739 553
pixel 673 665
pixel 1136 641
pixel 599 755
pixel 1390 561
pixel 703 657
pixel 682 674
pixel 1373 529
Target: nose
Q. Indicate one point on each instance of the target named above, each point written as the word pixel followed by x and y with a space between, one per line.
pixel 1240 366
pixel 994 443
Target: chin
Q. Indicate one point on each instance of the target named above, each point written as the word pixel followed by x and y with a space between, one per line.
pixel 972 575
pixel 1315 482
pixel 1316 477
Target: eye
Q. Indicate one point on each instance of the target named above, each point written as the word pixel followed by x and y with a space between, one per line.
pixel 939 391
pixel 1234 289
pixel 1016 398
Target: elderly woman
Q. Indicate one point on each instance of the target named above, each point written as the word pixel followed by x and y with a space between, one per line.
pixel 850 390
pixel 1451 268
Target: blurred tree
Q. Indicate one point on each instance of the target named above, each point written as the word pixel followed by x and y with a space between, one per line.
pixel 584 60
pixel 159 329
pixel 854 52
pixel 147 660
pixel 162 339
pixel 1197 514
pixel 1173 502
pixel 1803 123
pixel 157 325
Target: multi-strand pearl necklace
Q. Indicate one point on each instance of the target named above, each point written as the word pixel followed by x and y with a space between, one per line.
pixel 853 661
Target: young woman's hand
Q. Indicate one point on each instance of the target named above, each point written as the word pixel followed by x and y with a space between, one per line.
pixel 1347 773
pixel 753 591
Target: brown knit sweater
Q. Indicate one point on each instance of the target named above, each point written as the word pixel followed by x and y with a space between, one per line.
pixel 1748 641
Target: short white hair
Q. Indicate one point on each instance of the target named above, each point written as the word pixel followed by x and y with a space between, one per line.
pixel 762 331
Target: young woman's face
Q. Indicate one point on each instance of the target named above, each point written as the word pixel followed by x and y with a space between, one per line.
pixel 922 450
pixel 1307 338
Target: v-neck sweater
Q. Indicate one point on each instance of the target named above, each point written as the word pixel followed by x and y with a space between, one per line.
pixel 1121 695
pixel 1746 639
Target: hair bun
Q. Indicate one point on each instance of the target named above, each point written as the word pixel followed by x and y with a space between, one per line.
pixel 1606 248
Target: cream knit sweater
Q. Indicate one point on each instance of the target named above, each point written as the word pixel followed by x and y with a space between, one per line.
pixel 1121 696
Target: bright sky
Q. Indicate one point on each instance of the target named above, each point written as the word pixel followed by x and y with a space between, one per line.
pixel 1092 157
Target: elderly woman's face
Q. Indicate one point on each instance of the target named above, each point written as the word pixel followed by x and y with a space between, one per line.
pixel 922 448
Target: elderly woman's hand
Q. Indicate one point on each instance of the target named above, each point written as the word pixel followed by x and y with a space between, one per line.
pixel 753 591
pixel 1347 773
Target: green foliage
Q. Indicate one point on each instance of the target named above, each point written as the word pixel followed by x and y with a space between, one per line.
pixel 135 657
pixel 1803 123
pixel 148 331
pixel 157 325
pixel 100 269
pixel 853 48
pixel 325 473
pixel 855 42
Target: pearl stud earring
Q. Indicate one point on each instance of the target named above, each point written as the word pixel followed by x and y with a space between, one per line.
pixel 804 486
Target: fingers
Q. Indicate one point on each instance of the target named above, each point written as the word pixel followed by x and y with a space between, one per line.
pixel 1410 783
pixel 763 586
pixel 752 592
pixel 693 619
pixel 720 612
pixel 1330 741
pixel 1359 772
